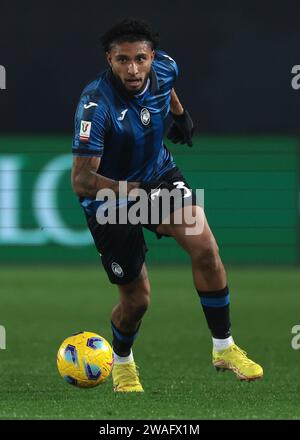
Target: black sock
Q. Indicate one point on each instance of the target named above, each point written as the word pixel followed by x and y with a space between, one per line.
pixel 122 342
pixel 215 306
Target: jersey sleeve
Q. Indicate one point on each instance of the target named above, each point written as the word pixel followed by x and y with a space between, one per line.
pixel 167 67
pixel 174 69
pixel 92 122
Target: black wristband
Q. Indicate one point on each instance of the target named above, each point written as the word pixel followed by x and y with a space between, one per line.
pixel 179 118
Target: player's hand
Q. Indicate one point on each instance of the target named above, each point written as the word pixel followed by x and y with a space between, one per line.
pixel 182 129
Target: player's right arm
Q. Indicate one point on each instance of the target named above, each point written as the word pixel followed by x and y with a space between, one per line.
pixel 86 182
pixel 92 122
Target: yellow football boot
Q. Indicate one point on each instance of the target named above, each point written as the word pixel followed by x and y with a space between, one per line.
pixel 236 360
pixel 126 378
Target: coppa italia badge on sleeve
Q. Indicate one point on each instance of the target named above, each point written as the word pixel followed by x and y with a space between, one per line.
pixel 85 129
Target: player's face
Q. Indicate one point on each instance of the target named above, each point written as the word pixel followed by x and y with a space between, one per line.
pixel 131 63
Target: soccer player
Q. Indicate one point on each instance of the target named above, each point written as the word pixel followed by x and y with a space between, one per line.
pixel 119 127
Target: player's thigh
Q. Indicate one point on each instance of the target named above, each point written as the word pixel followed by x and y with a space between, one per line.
pixel 122 248
pixel 191 230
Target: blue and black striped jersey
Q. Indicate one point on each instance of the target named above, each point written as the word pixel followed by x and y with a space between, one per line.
pixel 127 131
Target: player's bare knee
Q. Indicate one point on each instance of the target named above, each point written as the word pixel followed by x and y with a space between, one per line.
pixel 207 257
pixel 135 308
pixel 136 288
pixel 136 297
pixel 142 299
pixel 142 305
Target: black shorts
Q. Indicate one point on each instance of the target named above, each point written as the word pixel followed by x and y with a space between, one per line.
pixel 122 246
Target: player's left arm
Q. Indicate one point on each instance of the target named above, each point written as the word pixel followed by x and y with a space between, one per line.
pixel 182 127
pixel 175 105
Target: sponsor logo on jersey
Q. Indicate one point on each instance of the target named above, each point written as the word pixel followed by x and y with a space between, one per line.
pixel 90 104
pixel 145 116
pixel 123 113
pixel 117 269
pixel 85 130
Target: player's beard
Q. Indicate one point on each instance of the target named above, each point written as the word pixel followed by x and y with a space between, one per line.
pixel 137 91
pixel 121 85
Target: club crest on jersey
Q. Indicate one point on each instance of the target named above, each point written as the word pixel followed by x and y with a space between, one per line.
pixel 145 116
pixel 85 130
pixel 117 269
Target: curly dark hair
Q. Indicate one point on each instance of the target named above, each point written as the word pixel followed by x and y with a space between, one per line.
pixel 129 30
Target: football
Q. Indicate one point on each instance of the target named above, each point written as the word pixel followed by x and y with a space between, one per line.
pixel 85 359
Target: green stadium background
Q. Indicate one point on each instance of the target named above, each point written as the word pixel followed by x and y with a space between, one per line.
pixel 251 187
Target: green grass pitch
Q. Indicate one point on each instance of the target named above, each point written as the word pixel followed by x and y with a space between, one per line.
pixel 40 306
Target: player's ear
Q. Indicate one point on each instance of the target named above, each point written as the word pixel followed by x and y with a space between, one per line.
pixel 108 58
pixel 152 55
